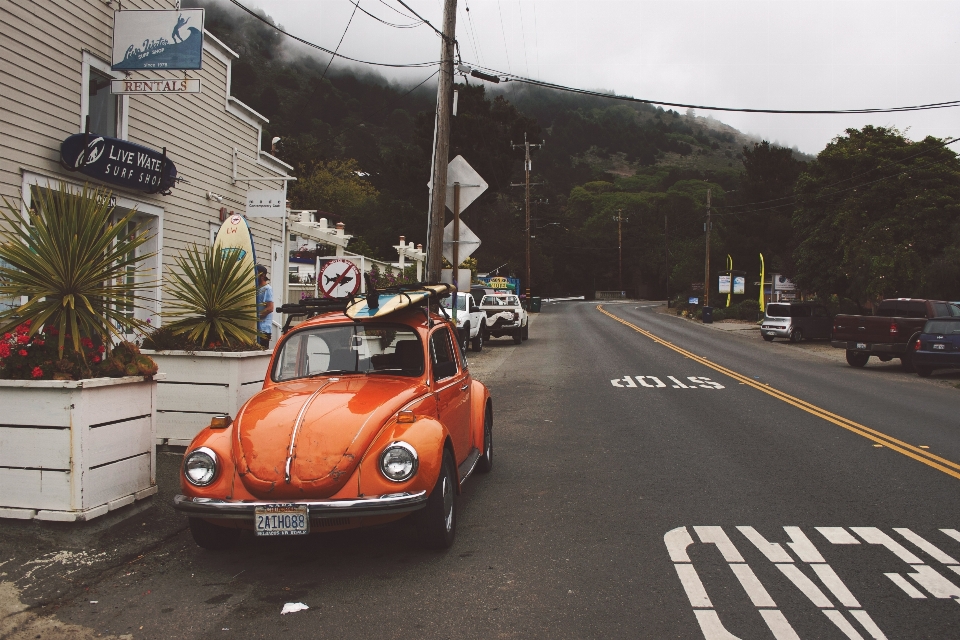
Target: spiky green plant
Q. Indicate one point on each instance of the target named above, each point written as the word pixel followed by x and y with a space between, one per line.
pixel 215 296
pixel 73 264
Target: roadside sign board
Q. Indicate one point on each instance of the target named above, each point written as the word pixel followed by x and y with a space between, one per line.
pixel 782 283
pixel 739 285
pixel 339 279
pixel 471 184
pixel 168 85
pixel 159 39
pixel 469 242
pixel 692 300
pixel 266 204
pixel 725 283
pixel 118 162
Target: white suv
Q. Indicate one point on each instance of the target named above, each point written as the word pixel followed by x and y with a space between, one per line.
pixel 471 320
pixel 505 316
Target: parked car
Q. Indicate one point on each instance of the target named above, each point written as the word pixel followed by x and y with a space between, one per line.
pixel 359 422
pixel 938 346
pixel 891 333
pixel 505 317
pixel 471 320
pixel 797 321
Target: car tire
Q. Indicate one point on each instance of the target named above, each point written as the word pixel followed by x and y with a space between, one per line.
pixel 923 372
pixel 525 333
pixel 857 358
pixel 213 537
pixel 796 335
pixel 437 522
pixel 518 336
pixel 768 338
pixel 485 463
pixel 477 343
pixel 906 361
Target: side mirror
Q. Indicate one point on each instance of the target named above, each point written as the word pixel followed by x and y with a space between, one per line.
pixel 443 370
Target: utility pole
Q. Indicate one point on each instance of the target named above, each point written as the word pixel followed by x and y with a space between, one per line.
pixel 441 145
pixel 526 169
pixel 619 219
pixel 706 268
pixel 666 255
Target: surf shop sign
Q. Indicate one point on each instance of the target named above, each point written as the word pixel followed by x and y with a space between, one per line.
pixel 158 39
pixel 119 162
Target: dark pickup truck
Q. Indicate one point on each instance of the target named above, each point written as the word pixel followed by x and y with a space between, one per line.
pixel 890 332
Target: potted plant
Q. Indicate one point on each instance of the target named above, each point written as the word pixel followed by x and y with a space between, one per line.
pixel 78 400
pixel 208 351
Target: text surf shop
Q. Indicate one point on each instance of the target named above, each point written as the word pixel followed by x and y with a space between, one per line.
pixel 119 162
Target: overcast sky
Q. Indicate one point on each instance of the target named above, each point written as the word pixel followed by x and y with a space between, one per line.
pixel 758 54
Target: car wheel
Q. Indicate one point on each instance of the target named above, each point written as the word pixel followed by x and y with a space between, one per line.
pixel 477 343
pixel 796 335
pixel 768 338
pixel 526 331
pixel 923 372
pixel 485 463
pixel 437 522
pixel 518 335
pixel 213 537
pixel 857 358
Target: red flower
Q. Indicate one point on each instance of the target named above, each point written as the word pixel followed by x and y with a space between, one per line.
pixel 22 339
pixel 101 348
pixel 39 343
pixel 54 332
pixel 37 372
pixel 96 359
pixel 22 353
pixel 4 350
pixel 87 342
pixel 7 336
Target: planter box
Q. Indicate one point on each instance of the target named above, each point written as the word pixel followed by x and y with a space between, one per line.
pixel 201 384
pixel 75 449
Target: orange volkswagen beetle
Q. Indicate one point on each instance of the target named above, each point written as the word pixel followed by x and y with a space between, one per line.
pixel 359 422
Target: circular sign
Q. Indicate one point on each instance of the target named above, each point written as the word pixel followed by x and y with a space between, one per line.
pixel 339 279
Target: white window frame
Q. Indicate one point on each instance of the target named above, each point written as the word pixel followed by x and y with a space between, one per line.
pixel 123 109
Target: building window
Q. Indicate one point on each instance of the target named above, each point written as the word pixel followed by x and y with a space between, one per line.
pixel 107 112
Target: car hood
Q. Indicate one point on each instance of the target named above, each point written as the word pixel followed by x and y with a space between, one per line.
pixel 338 420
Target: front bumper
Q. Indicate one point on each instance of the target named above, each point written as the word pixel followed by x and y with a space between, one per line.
pixel 317 509
pixel 869 347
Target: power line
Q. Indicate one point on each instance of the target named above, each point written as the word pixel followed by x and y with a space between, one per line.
pixel 474 29
pixel 503 30
pixel 381 20
pixel 327 51
pixel 342 36
pixel 395 10
pixel 536 36
pixel 437 31
pixel 523 38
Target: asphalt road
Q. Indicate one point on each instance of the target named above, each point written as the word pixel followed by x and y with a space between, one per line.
pixel 652 479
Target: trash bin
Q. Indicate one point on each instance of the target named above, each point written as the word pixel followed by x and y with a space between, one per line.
pixel 708 315
pixel 535 304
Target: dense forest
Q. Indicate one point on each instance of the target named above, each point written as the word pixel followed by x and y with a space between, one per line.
pixel 361 148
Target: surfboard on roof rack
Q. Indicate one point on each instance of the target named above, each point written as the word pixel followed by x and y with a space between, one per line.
pixel 380 302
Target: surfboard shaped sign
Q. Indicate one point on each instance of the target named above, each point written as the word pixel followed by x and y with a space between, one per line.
pixel 158 39
pixel 125 164
pixel 235 240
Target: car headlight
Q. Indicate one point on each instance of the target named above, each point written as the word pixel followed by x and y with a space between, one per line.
pixel 200 467
pixel 399 462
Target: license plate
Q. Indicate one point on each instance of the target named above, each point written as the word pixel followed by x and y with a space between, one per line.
pixel 939 346
pixel 770 333
pixel 281 520
pixel 861 345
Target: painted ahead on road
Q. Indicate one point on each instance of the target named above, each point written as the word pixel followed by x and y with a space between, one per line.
pixel 812 576
pixel 654 382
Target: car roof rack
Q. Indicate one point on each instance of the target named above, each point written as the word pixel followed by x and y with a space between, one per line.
pixel 310 307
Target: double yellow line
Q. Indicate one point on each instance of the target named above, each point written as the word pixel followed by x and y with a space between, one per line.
pixel 909 450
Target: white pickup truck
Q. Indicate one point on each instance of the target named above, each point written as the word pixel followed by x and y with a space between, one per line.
pixel 505 316
pixel 471 320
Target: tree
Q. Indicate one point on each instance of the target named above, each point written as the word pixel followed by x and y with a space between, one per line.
pixel 337 186
pixel 880 217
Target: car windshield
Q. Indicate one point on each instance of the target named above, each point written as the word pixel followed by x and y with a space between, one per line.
pixel 393 349
pixel 447 302
pixel 500 301
pixel 942 327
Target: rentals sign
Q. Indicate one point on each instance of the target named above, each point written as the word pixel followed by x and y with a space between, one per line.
pixel 172 85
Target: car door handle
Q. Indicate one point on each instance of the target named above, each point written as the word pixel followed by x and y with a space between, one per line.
pixel 465 387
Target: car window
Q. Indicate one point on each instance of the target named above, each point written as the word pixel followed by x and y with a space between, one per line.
pixel 491 301
pixel 890 309
pixel 954 310
pixel 778 310
pixel 447 302
pixel 443 355
pixel 800 311
pixel 940 309
pixel 915 310
pixel 942 327
pixel 820 312
pixel 354 348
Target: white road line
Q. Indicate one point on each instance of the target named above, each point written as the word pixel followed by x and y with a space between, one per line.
pixel 953 533
pixel 908 588
pixel 843 624
pixel 873 535
pixel 925 546
pixel 717 536
pixel 802 546
pixel 711 626
pixel 833 582
pixel 659 383
pixel 676 383
pixel 867 622
pixel 805 585
pixel 778 625
pixel 677 541
pixel 693 586
pixel 773 551
pixel 751 584
pixel 837 535
pixel 934 583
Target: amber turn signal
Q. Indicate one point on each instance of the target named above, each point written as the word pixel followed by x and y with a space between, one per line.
pixel 220 422
pixel 406 417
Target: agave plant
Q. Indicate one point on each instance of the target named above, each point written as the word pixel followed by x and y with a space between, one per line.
pixel 214 298
pixel 73 263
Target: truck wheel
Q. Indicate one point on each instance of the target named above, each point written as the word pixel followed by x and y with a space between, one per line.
pixel 517 336
pixel 857 358
pixel 526 331
pixel 906 361
pixel 923 372
pixel 477 343
pixel 465 338
pixel 796 335
pixel 211 536
pixel 437 522
pixel 768 338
